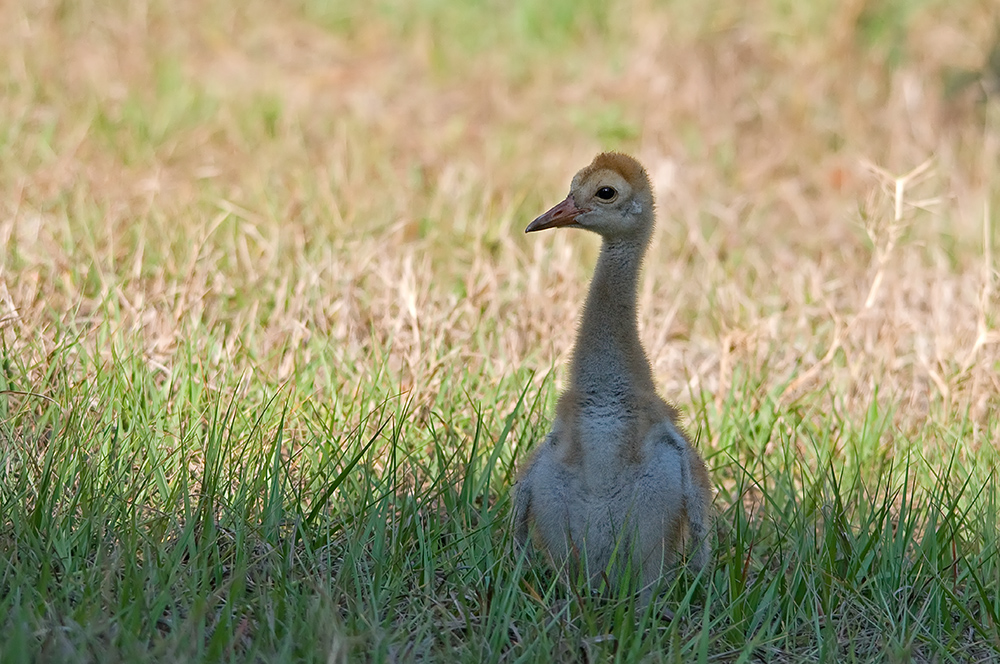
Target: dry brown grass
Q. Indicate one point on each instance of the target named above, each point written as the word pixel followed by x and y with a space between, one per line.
pixel 262 189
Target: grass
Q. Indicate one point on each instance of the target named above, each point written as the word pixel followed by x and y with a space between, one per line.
pixel 272 343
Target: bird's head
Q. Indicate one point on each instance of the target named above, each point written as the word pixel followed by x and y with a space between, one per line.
pixel 611 197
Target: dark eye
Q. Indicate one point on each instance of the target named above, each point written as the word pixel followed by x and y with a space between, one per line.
pixel 606 193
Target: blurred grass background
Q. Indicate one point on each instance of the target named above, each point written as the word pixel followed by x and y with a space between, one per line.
pixel 272 339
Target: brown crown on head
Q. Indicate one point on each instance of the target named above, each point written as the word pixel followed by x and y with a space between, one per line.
pixel 626 166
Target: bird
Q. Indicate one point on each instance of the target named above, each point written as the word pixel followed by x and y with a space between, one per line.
pixel 616 486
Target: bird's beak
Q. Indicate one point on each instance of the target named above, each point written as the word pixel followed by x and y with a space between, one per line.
pixel 564 214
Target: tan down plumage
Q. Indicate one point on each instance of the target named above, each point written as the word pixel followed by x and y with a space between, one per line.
pixel 616 484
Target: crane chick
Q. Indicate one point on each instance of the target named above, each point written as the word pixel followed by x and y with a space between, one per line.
pixel 616 486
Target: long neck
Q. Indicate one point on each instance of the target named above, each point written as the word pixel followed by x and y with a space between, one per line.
pixel 608 360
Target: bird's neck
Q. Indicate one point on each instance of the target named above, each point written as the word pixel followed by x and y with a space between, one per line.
pixel 609 362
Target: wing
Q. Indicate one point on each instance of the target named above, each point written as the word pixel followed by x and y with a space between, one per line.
pixel 522 505
pixel 695 488
pixel 698 501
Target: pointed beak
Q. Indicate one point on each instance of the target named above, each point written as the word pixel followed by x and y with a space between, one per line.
pixel 564 214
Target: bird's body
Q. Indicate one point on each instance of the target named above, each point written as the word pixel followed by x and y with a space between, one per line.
pixel 616 484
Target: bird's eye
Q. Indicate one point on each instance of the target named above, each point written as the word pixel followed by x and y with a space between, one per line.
pixel 606 193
